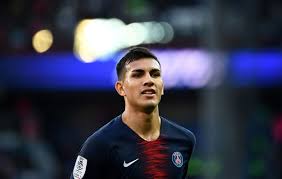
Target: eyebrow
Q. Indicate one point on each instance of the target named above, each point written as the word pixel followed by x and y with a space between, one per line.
pixel 137 71
pixel 141 70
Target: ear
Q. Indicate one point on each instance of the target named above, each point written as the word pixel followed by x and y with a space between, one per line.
pixel 163 89
pixel 119 88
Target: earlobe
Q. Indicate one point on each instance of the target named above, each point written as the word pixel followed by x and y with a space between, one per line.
pixel 119 88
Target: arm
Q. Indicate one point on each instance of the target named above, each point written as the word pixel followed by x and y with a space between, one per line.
pixel 90 160
pixel 191 143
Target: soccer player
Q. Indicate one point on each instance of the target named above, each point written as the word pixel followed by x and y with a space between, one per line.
pixel 138 144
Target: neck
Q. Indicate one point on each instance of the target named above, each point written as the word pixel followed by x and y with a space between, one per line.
pixel 146 125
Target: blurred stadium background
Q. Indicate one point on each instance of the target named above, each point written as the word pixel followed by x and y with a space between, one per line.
pixel 222 67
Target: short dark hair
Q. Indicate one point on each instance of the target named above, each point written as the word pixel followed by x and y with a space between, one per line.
pixel 135 53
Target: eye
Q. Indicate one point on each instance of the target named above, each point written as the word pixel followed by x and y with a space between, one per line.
pixel 156 74
pixel 136 75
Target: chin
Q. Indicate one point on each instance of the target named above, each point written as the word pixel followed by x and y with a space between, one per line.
pixel 150 106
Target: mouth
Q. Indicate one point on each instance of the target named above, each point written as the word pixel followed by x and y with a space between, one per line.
pixel 148 92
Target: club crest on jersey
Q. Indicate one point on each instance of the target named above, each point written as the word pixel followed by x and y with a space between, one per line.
pixel 177 159
pixel 80 167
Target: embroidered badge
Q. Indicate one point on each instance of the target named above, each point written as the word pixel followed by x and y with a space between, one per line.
pixel 177 159
pixel 80 167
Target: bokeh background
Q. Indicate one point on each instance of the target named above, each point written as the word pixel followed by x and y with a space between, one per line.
pixel 222 67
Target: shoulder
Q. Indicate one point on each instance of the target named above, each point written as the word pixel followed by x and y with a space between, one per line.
pixel 104 131
pixel 175 129
pixel 101 139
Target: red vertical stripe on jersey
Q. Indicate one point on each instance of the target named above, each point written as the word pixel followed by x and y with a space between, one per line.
pixel 156 158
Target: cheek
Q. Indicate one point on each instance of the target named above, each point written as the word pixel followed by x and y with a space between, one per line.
pixel 131 88
pixel 161 85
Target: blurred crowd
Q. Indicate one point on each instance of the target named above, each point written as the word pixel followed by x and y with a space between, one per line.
pixel 42 133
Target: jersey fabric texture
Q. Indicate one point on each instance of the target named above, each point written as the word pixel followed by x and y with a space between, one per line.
pixel 115 151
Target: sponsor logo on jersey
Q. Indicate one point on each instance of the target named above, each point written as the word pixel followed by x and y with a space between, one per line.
pixel 177 159
pixel 129 163
pixel 79 168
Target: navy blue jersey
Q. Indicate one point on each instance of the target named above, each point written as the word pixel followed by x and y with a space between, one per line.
pixel 116 151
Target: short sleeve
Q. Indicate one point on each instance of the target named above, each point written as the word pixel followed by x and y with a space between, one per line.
pixel 91 160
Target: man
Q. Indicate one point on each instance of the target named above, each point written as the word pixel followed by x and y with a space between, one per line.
pixel 138 143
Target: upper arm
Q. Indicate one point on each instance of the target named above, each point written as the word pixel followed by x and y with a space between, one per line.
pixel 90 161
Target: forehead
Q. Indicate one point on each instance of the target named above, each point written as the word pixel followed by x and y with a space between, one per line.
pixel 143 64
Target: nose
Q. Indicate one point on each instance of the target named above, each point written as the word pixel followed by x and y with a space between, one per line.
pixel 148 80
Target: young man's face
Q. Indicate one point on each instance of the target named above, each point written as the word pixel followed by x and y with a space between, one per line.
pixel 142 83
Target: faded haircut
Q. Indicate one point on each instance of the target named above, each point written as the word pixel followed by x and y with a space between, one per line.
pixel 135 53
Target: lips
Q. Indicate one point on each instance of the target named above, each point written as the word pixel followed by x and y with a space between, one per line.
pixel 148 91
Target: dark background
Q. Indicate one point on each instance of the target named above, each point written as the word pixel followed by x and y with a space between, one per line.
pixel 238 128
